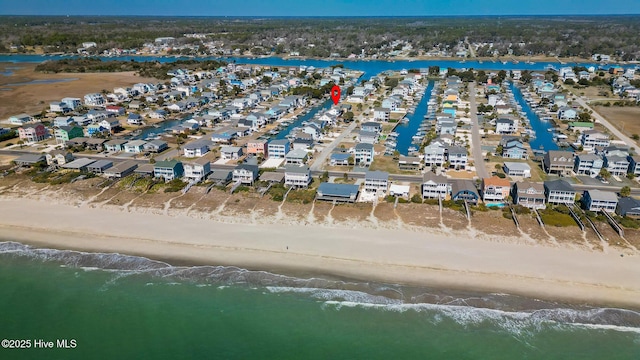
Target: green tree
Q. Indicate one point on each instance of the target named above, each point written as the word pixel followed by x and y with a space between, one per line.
pixel 348 116
pixel 625 191
pixel 635 137
pixel 604 173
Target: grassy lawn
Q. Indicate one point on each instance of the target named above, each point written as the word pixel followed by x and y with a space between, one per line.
pixel 557 217
pixel 385 163
pixel 626 119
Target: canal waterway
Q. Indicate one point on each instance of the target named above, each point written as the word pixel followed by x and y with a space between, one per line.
pixel 544 138
pixel 408 130
pixel 369 67
pixel 325 105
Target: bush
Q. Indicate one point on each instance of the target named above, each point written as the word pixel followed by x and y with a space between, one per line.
pixel 416 199
pixel 402 201
pixel 390 198
pixel 554 217
pixel 302 196
pixel 175 185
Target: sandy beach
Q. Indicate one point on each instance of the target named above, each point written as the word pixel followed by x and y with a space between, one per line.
pixel 429 257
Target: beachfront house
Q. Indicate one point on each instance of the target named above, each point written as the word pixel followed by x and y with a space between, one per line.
pixel 29 160
pixel 66 133
pixel 558 161
pixel 195 149
pixel 297 176
pixel 363 154
pixel 559 192
pixel 376 182
pixel 121 170
pixel 337 192
pixel 100 166
pixel 628 206
pixel 58 157
pixel 168 169
pixel 197 170
pixel 434 186
pixel 277 149
pixel 464 190
pixel 245 174
pixel 495 189
pixel 596 200
pixel 588 164
pixel 30 133
pixel 519 169
pixel 528 194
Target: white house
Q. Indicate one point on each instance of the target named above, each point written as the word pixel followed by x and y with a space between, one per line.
pixel 197 170
pixel 94 99
pixel 297 176
pixel 195 149
pixel 517 169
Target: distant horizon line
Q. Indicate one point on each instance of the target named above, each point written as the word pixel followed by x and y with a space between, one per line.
pixel 323 16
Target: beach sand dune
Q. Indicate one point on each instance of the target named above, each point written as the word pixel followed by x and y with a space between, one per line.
pixel 467 259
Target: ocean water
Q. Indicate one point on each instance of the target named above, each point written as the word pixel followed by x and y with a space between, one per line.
pixel 126 307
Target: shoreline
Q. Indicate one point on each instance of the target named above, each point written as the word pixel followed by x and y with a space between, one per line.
pixel 426 258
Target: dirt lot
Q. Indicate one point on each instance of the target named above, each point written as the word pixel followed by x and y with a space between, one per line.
pixel 626 118
pixel 33 98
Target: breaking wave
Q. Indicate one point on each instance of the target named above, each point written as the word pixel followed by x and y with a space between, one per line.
pixel 516 314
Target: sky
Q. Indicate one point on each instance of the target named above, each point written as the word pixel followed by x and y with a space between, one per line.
pixel 318 7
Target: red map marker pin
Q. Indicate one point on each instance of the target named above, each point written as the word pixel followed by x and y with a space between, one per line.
pixel 335 94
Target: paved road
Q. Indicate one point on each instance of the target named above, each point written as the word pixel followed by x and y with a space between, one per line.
pixel 630 143
pixel 320 159
pixel 478 160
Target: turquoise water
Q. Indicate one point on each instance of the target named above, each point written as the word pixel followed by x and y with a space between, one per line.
pixel 143 309
pixel 408 130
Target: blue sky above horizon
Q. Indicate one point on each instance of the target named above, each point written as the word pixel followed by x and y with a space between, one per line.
pixel 318 8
